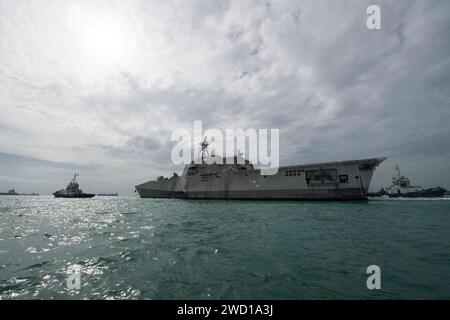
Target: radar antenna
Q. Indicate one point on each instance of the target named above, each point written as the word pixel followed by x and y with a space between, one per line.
pixel 204 145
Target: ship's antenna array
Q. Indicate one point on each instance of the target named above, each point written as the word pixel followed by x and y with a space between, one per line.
pixel 204 145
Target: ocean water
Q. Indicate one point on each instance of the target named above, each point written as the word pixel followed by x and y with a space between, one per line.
pixel 131 248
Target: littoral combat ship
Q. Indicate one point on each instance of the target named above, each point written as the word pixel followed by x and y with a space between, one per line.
pixel 343 180
pixel 72 190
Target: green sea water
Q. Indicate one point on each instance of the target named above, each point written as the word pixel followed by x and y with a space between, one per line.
pixel 131 248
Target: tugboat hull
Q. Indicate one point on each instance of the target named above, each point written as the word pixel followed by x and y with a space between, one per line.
pixel 85 195
pixel 428 193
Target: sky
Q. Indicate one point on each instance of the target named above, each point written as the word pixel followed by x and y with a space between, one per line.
pixel 97 87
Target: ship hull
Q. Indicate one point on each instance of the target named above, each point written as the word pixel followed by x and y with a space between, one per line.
pixel 304 195
pixel 347 180
pixel 430 193
pixel 154 193
pixel 85 195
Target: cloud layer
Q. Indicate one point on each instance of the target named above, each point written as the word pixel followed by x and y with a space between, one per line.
pixel 100 85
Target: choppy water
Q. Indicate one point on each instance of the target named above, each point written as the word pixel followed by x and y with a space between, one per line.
pixel 170 249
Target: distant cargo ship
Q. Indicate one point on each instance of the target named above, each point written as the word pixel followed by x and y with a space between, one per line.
pixel 72 191
pixel 13 192
pixel 10 192
pixel 342 180
pixel 107 194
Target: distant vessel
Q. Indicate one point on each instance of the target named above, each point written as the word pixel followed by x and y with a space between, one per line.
pixel 13 192
pixel 73 191
pixel 107 194
pixel 238 179
pixel 401 187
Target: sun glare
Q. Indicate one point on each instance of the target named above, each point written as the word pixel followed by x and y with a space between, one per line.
pixel 106 39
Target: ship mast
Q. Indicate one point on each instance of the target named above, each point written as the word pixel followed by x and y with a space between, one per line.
pixel 397 167
pixel 204 145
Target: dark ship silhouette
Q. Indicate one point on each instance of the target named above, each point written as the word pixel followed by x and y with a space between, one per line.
pixel 401 188
pixel 72 190
pixel 12 192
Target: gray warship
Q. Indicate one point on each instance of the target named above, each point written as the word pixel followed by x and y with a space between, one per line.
pixel 238 179
pixel 72 190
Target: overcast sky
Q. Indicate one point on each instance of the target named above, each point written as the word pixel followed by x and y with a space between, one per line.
pixel 97 87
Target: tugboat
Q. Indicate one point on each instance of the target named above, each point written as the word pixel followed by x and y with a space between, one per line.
pixel 401 187
pixel 72 191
